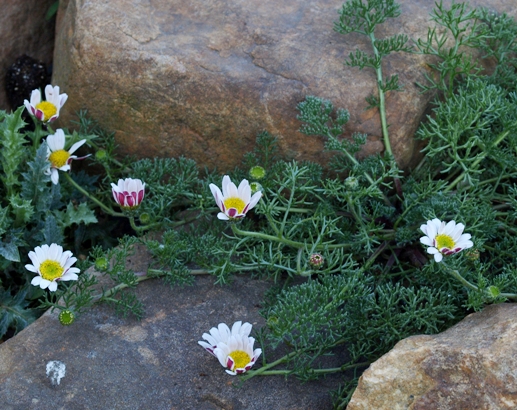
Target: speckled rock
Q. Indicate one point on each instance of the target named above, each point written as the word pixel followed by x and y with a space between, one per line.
pixel 156 363
pixel 472 365
pixel 24 30
pixel 202 79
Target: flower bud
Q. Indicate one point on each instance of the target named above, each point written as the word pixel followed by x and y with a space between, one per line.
pixel 101 264
pixel 316 260
pixel 66 317
pixel 257 172
pixel 351 183
pixel 493 292
pixel 255 187
pixel 101 155
pixel 144 218
pixel 472 254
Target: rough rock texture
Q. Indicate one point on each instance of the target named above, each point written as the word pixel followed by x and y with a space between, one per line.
pixel 24 30
pixel 155 363
pixel 202 79
pixel 472 365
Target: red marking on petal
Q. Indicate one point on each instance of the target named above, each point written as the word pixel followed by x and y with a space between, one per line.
pixel 245 209
pixel 39 115
pixel 229 362
pixel 232 212
pixel 140 196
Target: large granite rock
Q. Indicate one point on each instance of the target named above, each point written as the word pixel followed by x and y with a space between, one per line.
pixel 472 365
pixel 24 30
pixel 155 363
pixel 202 79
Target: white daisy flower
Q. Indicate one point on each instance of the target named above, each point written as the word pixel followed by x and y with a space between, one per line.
pixel 237 354
pixel 444 239
pixel 52 265
pixel 59 157
pixel 129 193
pixel 222 333
pixel 234 202
pixel 46 111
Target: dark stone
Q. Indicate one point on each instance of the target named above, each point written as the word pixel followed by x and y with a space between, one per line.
pixel 25 75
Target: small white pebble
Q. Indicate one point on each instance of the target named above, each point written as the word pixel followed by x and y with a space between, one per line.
pixel 55 371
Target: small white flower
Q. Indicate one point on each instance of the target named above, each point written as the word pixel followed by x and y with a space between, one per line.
pixel 52 265
pixel 60 159
pixel 237 354
pixel 444 239
pixel 129 193
pixel 222 333
pixel 234 202
pixel 46 111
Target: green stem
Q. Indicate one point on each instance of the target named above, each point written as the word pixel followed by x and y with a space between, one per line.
pixel 285 241
pixel 343 368
pixel 382 102
pixel 108 210
pixel 500 137
pixel 156 273
pixel 471 286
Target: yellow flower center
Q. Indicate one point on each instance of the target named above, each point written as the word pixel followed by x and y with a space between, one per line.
pixel 240 358
pixel 444 241
pixel 51 270
pixel 59 158
pixel 236 203
pixel 47 108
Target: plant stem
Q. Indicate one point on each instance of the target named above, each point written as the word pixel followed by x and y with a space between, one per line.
pixel 499 138
pixel 285 241
pixel 455 274
pixel 382 102
pixel 156 273
pixel 108 210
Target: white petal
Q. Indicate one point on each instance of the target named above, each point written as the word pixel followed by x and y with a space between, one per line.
pixel 218 196
pixel 254 199
pixel 54 176
pixel 438 257
pixel 35 97
pixel 31 268
pixel 69 276
pixel 52 286
pixel 74 147
pixel 222 217
pixel 426 241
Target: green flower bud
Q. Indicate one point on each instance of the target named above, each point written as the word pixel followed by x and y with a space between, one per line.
pixel 257 172
pixel 255 187
pixel 493 292
pixel 101 264
pixel 351 183
pixel 101 154
pixel 144 218
pixel 66 317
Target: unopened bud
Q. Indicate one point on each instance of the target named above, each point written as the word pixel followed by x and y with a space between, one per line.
pixel 316 260
pixel 257 172
pixel 101 154
pixel 255 187
pixel 472 254
pixel 144 218
pixel 493 292
pixel 351 183
pixel 66 317
pixel 101 264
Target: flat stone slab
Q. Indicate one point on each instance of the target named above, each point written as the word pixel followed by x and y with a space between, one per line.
pixel 156 363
